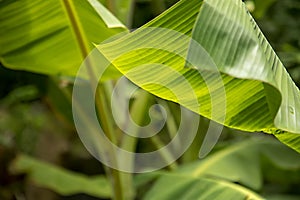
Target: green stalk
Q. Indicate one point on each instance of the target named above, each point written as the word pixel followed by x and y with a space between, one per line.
pixel 138 110
pixel 192 152
pixel 171 122
pixel 166 155
pixel 100 100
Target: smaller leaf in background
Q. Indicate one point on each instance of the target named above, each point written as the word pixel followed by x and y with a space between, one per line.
pixel 61 180
pixel 241 162
pixel 236 163
pixel 174 186
pixel 249 163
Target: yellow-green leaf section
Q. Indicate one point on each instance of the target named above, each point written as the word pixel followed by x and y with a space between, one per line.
pixel 256 91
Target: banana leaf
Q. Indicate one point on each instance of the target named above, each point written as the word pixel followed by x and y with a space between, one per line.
pixel 215 61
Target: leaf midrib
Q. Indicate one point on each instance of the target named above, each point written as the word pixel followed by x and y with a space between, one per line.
pixel 76 27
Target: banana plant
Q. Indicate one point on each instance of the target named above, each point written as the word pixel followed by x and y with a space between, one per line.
pixel 208 56
pixel 260 95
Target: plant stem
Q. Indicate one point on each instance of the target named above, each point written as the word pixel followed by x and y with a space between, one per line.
pixel 192 152
pixel 166 155
pixel 100 94
pixel 138 110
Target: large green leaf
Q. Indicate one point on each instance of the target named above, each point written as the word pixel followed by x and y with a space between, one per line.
pixel 53 37
pixel 235 79
pixel 61 180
